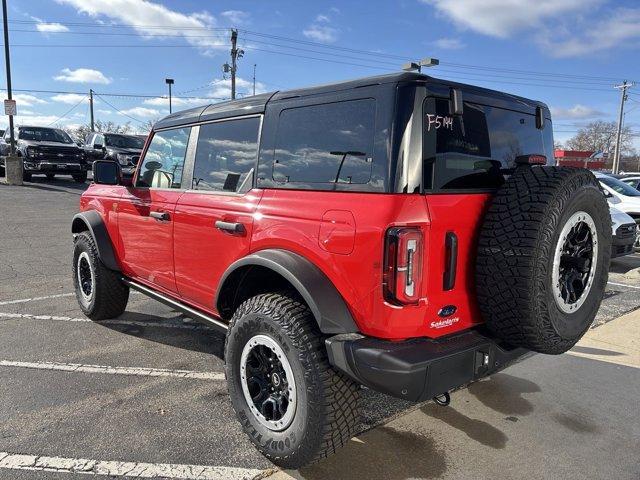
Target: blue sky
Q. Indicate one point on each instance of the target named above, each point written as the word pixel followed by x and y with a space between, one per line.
pixel 567 53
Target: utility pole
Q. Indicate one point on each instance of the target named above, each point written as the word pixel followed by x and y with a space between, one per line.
pixel 623 96
pixel 93 129
pixel 169 81
pixel 254 78
pixel 234 56
pixel 8 64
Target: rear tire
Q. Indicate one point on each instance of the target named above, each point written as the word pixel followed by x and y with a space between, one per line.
pixel 324 401
pixel 99 290
pixel 543 258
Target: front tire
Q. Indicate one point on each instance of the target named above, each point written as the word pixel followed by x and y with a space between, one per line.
pixel 293 405
pixel 26 177
pixel 51 176
pixel 99 291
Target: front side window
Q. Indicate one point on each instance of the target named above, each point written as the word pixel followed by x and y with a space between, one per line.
pixel 226 155
pixel 330 143
pixel 476 150
pixel 620 187
pixel 164 161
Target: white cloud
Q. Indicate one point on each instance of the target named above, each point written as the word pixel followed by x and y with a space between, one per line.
pixel 222 89
pixel 321 33
pixel 577 112
pixel 82 75
pixel 502 18
pixel 144 16
pixel 142 112
pixel 35 120
pixel 449 43
pixel 104 112
pixel 51 27
pixel 70 98
pixel 48 27
pixel 236 17
pixel 25 100
pixel 176 102
pixel 322 18
pixel 619 28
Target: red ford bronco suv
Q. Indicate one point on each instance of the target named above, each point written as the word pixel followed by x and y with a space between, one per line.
pixel 399 232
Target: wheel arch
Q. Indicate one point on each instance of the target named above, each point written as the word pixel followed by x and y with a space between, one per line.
pixel 274 269
pixel 91 221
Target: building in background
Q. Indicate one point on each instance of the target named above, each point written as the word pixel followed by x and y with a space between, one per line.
pixel 579 158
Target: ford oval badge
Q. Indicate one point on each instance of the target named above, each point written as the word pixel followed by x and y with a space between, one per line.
pixel 447 310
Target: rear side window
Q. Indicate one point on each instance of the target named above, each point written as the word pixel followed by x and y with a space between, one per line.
pixel 325 144
pixel 164 161
pixel 226 155
pixel 477 149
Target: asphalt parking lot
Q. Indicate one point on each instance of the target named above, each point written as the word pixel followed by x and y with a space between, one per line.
pixel 144 395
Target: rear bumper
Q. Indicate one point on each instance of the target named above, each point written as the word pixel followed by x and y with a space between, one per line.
pixel 419 369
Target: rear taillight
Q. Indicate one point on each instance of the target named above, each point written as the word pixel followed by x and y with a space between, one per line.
pixel 402 276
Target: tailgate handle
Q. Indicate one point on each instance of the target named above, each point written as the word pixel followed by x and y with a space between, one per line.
pixel 451 260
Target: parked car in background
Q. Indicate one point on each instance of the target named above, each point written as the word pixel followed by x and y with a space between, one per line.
pixel 124 149
pixel 623 197
pixel 626 233
pixel 630 179
pixel 46 151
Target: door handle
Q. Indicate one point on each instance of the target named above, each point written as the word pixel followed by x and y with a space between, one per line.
pixel 160 216
pixel 232 227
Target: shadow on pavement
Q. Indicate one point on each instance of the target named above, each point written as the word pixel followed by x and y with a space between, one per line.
pixel 202 340
pixel 625 264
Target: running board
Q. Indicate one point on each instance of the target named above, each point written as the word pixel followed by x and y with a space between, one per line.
pixel 181 307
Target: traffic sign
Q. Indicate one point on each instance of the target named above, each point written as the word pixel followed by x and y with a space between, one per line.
pixel 10 107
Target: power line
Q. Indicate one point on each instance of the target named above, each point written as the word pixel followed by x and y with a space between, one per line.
pixel 298 41
pixel 118 110
pixel 68 111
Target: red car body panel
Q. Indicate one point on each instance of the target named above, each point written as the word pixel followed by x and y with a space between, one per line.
pixel 342 233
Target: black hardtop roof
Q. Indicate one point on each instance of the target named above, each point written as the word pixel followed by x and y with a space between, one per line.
pixel 256 104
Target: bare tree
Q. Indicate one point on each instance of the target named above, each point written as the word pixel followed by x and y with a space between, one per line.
pixel 600 136
pixel 83 131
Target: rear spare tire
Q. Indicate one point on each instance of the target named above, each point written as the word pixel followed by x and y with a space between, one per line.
pixel 543 258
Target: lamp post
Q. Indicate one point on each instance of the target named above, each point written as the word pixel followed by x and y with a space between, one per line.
pixel 13 167
pixel 169 81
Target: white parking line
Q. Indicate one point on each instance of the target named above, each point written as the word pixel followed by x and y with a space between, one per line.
pixel 624 285
pixel 136 323
pixel 139 371
pixel 27 300
pixel 124 469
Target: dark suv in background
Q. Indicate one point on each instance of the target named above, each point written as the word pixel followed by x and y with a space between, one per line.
pixel 124 149
pixel 46 151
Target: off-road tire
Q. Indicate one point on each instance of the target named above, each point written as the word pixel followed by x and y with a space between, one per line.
pixel 109 295
pixel 80 177
pixel 327 402
pixel 516 251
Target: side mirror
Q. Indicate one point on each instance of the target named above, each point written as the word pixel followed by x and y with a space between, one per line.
pixel 97 146
pixel 107 172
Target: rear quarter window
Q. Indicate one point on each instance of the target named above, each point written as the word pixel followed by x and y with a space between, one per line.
pixel 325 144
pixel 476 150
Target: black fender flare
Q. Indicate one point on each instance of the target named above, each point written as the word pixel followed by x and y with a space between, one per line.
pixel 325 302
pixel 92 222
